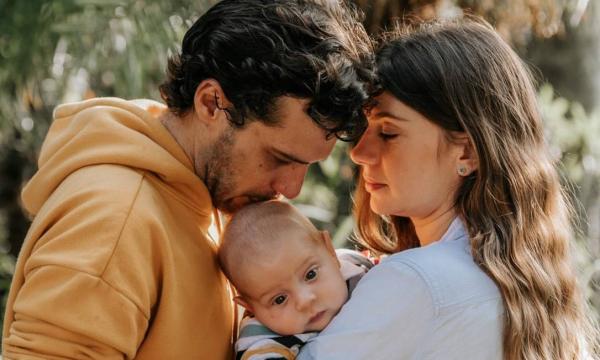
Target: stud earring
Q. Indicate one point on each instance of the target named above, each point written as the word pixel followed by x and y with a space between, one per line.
pixel 462 170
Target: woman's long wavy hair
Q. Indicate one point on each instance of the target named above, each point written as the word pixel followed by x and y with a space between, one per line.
pixel 463 77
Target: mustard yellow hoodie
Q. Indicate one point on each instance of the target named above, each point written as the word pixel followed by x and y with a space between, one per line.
pixel 117 263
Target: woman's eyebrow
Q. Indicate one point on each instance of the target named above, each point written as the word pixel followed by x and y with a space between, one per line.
pixel 386 114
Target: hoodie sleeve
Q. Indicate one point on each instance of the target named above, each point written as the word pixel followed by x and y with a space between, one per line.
pixel 89 318
pixel 88 284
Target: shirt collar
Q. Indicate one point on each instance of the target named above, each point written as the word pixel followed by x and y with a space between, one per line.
pixel 456 231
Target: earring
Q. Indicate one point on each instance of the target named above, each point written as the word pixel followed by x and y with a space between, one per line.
pixel 462 170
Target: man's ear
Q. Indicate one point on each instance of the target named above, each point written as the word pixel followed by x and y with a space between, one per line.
pixel 243 303
pixel 210 100
pixel 326 239
pixel 467 161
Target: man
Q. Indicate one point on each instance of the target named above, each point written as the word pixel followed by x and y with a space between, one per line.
pixel 117 263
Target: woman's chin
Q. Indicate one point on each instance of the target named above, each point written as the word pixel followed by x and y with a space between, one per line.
pixel 383 209
pixel 378 208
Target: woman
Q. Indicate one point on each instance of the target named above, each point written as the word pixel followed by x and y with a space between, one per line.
pixel 458 184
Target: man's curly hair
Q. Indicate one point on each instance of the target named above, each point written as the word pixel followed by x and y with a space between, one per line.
pixel 259 50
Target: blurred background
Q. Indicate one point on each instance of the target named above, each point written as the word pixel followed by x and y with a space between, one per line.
pixel 68 50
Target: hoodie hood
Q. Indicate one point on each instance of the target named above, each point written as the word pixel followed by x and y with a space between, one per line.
pixel 118 132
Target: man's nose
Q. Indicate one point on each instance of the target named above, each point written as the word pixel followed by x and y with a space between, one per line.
pixel 289 183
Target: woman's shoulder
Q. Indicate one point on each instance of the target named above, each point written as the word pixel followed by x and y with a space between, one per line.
pixel 448 271
pixel 431 298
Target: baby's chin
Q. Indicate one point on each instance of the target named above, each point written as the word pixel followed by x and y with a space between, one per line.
pixel 316 324
pixel 294 331
pixel 320 321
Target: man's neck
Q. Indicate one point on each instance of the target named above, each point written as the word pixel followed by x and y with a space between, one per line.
pixel 182 130
pixel 431 229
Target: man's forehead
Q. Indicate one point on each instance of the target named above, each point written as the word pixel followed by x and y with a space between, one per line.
pixel 305 153
pixel 303 143
pixel 295 136
pixel 292 117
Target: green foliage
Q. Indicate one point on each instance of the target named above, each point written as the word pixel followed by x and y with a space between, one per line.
pixel 573 135
pixel 7 269
pixel 517 20
pixel 327 189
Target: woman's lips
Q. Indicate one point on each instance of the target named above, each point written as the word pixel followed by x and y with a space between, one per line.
pixel 373 186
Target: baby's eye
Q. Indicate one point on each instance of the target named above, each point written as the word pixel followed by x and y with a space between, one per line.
pixel 311 274
pixel 279 299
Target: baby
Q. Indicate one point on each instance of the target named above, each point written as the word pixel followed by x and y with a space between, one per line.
pixel 287 275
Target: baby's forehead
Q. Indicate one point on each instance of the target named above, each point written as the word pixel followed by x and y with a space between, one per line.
pixel 287 259
pixel 281 232
pixel 284 240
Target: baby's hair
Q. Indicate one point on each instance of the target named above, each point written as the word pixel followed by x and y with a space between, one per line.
pixel 257 230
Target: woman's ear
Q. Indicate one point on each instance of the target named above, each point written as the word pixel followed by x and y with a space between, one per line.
pixel 467 161
pixel 210 100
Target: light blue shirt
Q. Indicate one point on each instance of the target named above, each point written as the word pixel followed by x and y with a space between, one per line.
pixel 432 302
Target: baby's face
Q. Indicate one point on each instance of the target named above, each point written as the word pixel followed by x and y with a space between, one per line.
pixel 296 288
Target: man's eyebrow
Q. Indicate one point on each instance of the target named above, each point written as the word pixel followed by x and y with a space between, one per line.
pixel 289 157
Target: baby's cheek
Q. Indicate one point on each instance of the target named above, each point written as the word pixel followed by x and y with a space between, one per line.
pixel 284 324
pixel 342 294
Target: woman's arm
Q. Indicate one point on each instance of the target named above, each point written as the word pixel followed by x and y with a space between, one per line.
pixel 388 316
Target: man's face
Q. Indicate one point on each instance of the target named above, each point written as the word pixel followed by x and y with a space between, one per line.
pixel 260 162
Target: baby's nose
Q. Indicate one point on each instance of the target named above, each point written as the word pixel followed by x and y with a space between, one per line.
pixel 305 300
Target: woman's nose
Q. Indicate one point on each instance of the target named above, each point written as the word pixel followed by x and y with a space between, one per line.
pixel 365 152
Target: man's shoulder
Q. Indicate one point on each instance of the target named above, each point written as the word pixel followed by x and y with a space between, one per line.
pixel 104 176
pixel 109 184
pixel 93 208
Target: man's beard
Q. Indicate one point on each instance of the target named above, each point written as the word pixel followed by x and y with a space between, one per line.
pixel 221 174
pixel 219 170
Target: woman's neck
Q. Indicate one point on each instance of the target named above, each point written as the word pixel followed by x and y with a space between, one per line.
pixel 432 228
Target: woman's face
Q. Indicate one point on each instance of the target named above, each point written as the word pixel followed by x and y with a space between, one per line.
pixel 408 165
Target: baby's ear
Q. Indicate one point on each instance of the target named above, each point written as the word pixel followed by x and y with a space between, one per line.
pixel 243 303
pixel 326 239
